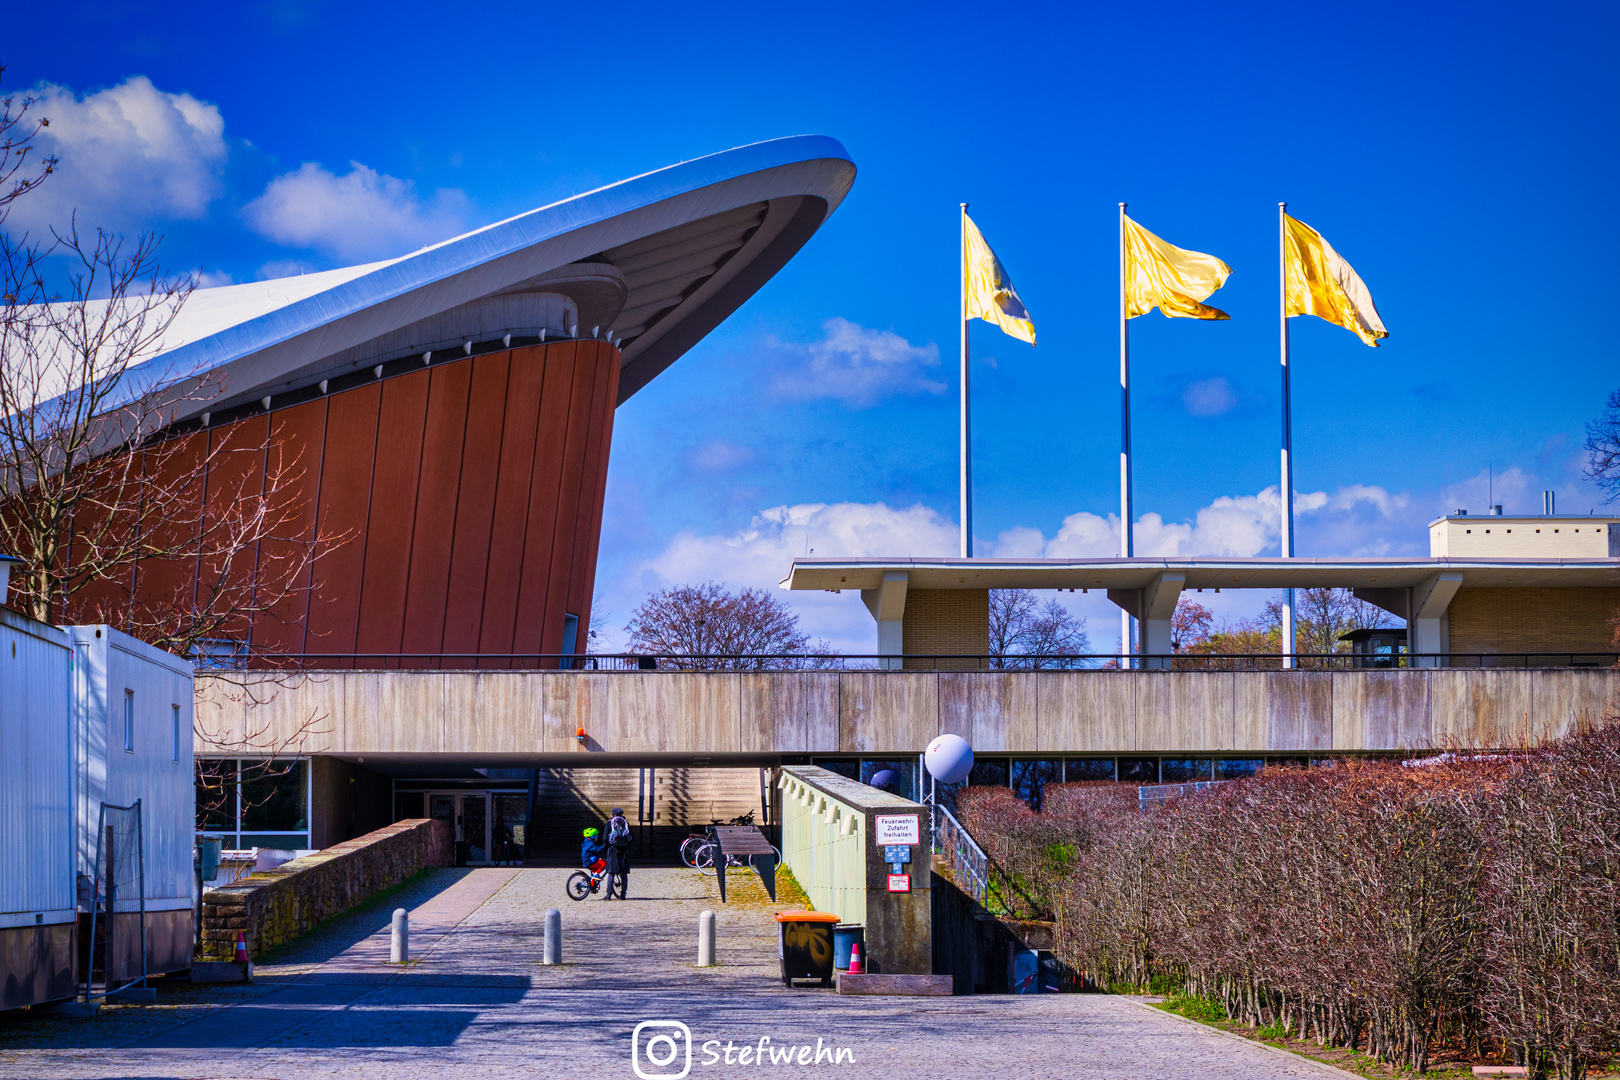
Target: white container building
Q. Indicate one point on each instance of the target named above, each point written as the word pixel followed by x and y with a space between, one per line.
pixel 132 708
pixel 37 812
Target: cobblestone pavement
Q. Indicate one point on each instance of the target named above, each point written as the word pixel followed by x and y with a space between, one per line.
pixel 478 1003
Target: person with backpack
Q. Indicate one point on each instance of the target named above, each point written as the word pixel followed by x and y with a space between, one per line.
pixel 618 855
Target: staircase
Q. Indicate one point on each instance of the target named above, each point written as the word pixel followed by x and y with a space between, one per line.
pixel 662 806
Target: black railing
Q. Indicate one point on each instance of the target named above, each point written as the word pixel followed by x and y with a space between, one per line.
pixel 633 662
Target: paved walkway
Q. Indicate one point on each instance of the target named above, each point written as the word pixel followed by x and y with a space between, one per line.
pixel 477 1003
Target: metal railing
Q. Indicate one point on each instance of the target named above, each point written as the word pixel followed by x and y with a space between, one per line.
pixel 966 860
pixel 1149 796
pixel 633 662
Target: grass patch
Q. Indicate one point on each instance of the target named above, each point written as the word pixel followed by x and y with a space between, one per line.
pixel 1204 1010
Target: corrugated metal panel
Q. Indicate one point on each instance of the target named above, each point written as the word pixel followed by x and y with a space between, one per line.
pixel 36 774
pixel 109 664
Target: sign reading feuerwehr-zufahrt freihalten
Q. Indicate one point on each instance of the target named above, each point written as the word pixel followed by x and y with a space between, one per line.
pixel 898 829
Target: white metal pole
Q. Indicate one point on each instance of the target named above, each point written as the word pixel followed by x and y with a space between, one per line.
pixel 967 474
pixel 1287 506
pixel 1126 544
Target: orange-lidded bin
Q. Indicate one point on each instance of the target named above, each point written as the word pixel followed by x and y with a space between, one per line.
pixel 805 944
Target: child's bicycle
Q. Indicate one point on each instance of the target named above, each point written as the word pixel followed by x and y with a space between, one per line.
pixel 581 883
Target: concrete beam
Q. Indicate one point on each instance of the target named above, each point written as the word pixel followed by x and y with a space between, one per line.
pixel 887 603
pixel 1158 609
pixel 1430 629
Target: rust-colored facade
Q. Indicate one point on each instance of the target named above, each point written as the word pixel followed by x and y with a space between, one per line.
pixel 468 499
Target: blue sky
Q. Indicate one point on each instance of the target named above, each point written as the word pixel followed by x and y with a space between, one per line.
pixel 1461 157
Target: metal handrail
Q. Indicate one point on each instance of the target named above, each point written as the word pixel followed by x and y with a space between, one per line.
pixel 729 662
pixel 968 863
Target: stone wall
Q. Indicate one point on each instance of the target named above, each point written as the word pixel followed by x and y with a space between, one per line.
pixel 275 906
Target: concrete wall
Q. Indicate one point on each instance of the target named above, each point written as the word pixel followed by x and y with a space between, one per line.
pixel 347 801
pixel 518 715
pixel 1534 620
pixel 273 907
pixel 845 873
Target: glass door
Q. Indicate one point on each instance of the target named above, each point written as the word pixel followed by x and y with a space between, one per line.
pixel 475 826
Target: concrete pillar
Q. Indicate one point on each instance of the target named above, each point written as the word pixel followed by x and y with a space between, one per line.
pixel 887 603
pixel 1155 607
pixel 551 952
pixel 706 939
pixel 1429 631
pixel 399 939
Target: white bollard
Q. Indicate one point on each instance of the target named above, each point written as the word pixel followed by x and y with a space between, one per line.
pixel 706 939
pixel 399 944
pixel 552 952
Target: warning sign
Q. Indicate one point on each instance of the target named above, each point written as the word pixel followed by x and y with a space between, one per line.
pixel 899 882
pixel 898 829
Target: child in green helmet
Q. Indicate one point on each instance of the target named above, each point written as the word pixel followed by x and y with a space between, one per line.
pixel 591 850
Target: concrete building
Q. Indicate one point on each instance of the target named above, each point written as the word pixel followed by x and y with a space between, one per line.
pixel 1541 591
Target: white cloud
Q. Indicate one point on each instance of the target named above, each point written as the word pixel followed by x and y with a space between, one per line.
pixel 363 214
pixel 854 364
pixel 127 155
pixel 758 556
pixel 1209 397
pixel 212 279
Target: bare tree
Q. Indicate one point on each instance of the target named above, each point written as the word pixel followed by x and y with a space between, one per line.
pixel 1025 633
pixel 706 627
pixel 1603 448
pixel 121 513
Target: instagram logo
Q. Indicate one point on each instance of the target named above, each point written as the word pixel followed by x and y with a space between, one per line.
pixel 666 1040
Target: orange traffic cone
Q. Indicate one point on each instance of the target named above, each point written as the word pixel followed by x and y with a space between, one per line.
pixel 241 948
pixel 855 959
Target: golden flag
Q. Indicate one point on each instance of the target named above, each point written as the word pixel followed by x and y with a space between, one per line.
pixel 1319 282
pixel 1163 276
pixel 990 292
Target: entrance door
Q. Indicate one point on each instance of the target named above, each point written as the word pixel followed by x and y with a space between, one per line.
pixel 475 826
pixel 468 814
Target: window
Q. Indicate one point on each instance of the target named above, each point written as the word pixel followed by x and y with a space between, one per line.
pixel 129 721
pixel 252 802
pixel 174 733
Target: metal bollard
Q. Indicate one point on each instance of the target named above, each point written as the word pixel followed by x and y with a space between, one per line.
pixel 399 944
pixel 552 953
pixel 706 939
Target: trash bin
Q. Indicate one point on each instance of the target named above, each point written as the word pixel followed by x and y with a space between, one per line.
pixel 805 943
pixel 845 935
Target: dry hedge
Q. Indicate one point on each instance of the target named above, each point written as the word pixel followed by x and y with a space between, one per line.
pixel 1370 905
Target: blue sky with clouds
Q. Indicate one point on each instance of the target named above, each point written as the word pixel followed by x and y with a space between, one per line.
pixel 1461 157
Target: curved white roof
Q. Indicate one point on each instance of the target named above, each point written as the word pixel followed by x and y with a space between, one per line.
pixel 657 261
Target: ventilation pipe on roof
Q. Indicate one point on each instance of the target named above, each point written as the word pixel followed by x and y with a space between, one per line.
pixel 542 335
pixel 1549 503
pixel 1460 512
pixel 266 403
pixel 205 418
pixel 377 371
pixel 574 330
pixel 507 341
pixel 1496 511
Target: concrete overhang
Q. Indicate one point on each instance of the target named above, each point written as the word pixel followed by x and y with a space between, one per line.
pixel 660 259
pixel 832 575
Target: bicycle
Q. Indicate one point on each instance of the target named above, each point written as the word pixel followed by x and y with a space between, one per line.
pixel 582 883
pixel 694 843
pixel 705 859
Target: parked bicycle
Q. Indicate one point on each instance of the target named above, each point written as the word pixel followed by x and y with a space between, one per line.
pixel 692 844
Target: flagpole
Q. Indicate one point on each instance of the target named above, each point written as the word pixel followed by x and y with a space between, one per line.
pixel 1287 507
pixel 1126 545
pixel 967 465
